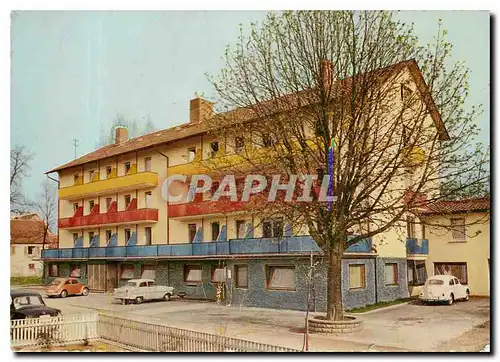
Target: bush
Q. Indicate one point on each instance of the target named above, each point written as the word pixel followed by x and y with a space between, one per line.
pixel 26 280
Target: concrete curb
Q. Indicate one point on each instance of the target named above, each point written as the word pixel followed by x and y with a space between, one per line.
pixel 381 309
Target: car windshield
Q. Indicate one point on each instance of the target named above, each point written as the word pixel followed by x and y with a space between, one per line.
pixel 130 284
pixel 27 300
pixel 435 282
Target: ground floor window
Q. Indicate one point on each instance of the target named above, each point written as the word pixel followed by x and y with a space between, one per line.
pixel 280 277
pixel 417 273
pixel 458 270
pixel 52 270
pixel 357 276
pixel 218 274
pixel 31 266
pixel 391 274
pixel 148 272
pixel 127 271
pixel 241 276
pixel 75 271
pixel 192 273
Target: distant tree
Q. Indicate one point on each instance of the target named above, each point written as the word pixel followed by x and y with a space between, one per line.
pixel 20 158
pixel 46 207
pixel 135 128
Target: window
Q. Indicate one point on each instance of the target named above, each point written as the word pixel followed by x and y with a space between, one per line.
pixel 75 238
pixel 214 148
pixel 458 270
pixel 241 276
pixel 12 250
pixel 239 144
pixel 31 250
pixel 148 272
pixel 127 201
pixel 76 179
pixel 75 207
pixel 91 205
pixel 423 231
pixel 91 236
pixel 127 235
pixel 127 167
pixel 357 278
pixel 143 285
pixel 391 274
pixel 192 232
pixel 109 234
pixel 147 199
pixel 52 270
pixel 218 274
pixel 31 266
pixel 191 154
pixel 267 140
pixel 410 227
pixel 215 231
pixel 319 130
pixel 458 228
pixel 240 229
pixel 109 200
pixel 147 231
pixel 127 271
pixel 108 171
pixel 272 228
pixel 91 175
pixel 192 273
pixel 451 282
pixel 147 164
pixel 417 273
pixel 280 277
pixel 151 284
pixel 75 271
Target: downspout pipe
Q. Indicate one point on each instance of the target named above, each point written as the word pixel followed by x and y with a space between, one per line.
pixel 58 206
pixel 168 218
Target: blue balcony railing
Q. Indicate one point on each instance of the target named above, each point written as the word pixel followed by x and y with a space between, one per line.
pixel 413 246
pixel 286 245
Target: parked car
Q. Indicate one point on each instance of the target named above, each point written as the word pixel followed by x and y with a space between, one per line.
pixel 27 304
pixel 139 290
pixel 63 287
pixel 444 288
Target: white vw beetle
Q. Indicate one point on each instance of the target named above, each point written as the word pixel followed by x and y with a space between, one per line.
pixel 139 290
pixel 443 288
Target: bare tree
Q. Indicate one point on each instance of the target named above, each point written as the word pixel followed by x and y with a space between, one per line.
pixel 46 207
pixel 393 110
pixel 20 158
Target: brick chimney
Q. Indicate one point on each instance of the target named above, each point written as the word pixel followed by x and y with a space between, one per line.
pixel 200 110
pixel 121 135
pixel 326 73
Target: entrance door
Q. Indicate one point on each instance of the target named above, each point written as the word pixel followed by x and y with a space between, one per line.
pixel 97 277
pixel 111 277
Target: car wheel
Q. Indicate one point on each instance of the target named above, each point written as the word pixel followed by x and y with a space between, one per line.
pixel 467 295
pixel 167 297
pixel 64 294
pixel 85 291
pixel 139 300
pixel 451 300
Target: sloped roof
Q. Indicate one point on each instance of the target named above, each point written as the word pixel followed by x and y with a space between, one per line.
pixel 29 232
pixel 245 114
pixel 458 206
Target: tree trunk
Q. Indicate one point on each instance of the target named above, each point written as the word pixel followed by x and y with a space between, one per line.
pixel 334 309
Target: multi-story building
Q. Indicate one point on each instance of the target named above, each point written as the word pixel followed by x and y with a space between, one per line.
pixel 114 224
pixel 26 243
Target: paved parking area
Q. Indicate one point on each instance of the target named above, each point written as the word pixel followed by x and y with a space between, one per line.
pixel 408 327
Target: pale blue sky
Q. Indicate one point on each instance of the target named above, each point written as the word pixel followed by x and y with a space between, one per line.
pixel 73 71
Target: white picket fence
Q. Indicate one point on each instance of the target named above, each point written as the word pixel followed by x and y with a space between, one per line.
pixel 54 330
pixel 129 333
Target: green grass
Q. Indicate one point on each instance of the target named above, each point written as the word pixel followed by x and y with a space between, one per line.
pixel 26 280
pixel 378 305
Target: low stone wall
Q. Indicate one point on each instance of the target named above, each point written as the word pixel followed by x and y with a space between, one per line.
pixel 323 326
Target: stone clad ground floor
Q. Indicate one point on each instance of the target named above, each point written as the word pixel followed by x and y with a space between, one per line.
pixel 281 283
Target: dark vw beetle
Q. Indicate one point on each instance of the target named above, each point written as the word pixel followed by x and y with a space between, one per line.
pixel 26 304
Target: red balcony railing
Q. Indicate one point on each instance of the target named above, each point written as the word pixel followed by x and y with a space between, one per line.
pixel 118 217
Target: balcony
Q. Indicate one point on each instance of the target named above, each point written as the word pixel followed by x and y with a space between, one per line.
pixel 414 247
pixel 131 181
pixel 136 216
pixel 293 245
